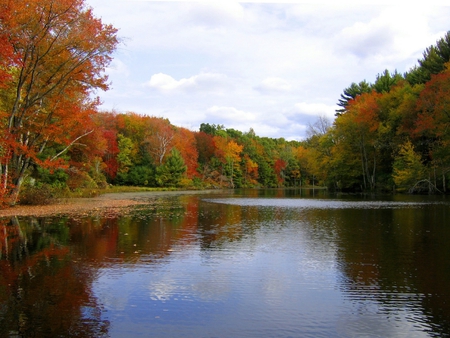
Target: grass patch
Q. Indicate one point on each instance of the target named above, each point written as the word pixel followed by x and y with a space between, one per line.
pixel 94 192
pixel 45 194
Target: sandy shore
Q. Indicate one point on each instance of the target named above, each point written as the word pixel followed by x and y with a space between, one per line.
pixel 114 202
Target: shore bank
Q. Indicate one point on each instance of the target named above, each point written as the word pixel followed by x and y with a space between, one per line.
pixel 110 202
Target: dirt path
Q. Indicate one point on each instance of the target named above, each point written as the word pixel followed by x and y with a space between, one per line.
pixel 106 203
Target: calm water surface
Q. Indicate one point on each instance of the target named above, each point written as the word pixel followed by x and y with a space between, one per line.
pixel 268 263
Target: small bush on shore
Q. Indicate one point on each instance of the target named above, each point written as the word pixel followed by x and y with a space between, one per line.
pixel 42 195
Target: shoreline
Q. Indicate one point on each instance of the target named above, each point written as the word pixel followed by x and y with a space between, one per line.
pixel 106 203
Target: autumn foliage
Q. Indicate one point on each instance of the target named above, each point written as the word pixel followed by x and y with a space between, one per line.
pixel 395 135
pixel 53 55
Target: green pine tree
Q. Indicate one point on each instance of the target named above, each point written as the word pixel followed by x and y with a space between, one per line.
pixel 170 173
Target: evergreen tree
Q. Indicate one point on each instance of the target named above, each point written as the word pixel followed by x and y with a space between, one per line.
pixel 386 81
pixel 169 174
pixel 351 93
pixel 433 62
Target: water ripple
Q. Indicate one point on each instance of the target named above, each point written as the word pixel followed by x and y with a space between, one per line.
pixel 316 203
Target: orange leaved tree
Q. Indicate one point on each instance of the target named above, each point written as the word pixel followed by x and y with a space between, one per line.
pixel 228 152
pixel 60 52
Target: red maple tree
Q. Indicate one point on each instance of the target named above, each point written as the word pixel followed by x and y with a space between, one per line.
pixel 60 53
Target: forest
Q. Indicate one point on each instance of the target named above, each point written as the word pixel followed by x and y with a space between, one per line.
pixel 388 136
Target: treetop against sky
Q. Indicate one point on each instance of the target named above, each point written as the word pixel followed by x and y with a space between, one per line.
pixel 270 66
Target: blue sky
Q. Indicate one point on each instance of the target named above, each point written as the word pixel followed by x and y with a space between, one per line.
pixel 274 67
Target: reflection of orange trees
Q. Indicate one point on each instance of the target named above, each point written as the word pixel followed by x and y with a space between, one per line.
pixel 96 238
pixel 188 225
pixel 52 299
pixel 46 289
pixel 8 236
pixel 43 290
pixel 154 233
pixel 221 225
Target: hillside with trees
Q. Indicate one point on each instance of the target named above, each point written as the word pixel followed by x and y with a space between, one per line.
pixel 390 135
pixel 393 135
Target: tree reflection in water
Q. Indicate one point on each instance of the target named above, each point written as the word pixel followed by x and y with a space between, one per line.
pixel 44 291
pixel 297 266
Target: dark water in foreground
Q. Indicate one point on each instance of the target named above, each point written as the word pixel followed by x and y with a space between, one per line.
pixel 243 264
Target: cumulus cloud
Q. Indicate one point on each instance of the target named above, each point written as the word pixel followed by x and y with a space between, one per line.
pixel 389 35
pixel 274 67
pixel 215 13
pixel 231 114
pixel 273 85
pixel 364 39
pixel 203 82
pixel 315 109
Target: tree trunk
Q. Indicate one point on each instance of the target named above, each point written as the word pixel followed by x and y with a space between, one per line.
pixel 231 176
pixel 14 194
pixel 21 165
pixel 435 178
pixel 374 170
pixel 366 167
pixel 363 169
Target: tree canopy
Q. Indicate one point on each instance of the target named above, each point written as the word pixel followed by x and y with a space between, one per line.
pixel 59 52
pixel 387 135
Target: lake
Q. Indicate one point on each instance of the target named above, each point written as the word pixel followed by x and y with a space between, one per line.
pixel 244 263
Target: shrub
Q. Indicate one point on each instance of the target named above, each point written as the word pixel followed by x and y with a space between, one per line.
pixel 38 195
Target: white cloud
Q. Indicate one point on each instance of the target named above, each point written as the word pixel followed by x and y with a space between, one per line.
pixel 398 32
pixel 364 40
pixel 215 13
pixel 231 114
pixel 204 82
pixel 215 59
pixel 163 82
pixel 272 85
pixel 315 109
pixel 316 2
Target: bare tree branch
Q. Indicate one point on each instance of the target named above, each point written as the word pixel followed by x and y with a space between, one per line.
pixel 70 144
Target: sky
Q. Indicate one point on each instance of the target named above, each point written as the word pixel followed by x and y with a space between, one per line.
pixel 270 66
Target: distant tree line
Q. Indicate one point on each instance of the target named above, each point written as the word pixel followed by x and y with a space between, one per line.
pixel 390 135
pixel 393 134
